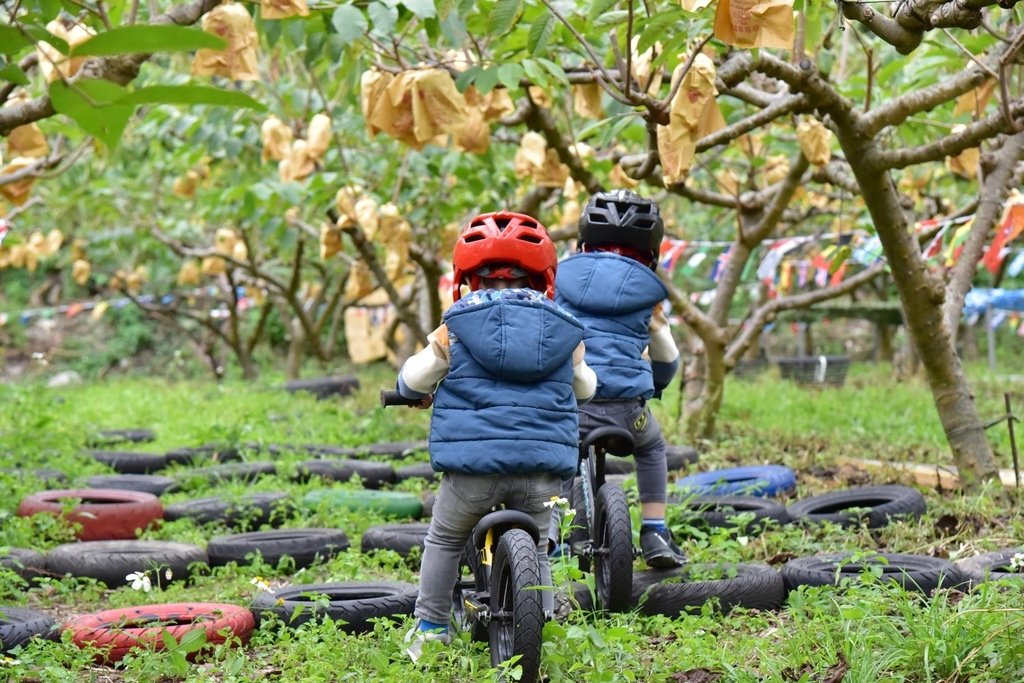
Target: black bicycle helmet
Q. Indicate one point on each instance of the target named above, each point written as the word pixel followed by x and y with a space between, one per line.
pixel 622 217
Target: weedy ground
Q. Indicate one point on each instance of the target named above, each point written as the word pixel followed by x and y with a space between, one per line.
pixel 858 633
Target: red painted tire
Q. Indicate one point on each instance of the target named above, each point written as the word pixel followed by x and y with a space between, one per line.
pixel 104 514
pixel 116 631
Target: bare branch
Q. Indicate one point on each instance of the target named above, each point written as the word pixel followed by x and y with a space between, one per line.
pixel 904 40
pixel 765 314
pixel 777 109
pixel 951 145
pixel 540 120
pixel 990 210
pixel 701 323
pixel 27 62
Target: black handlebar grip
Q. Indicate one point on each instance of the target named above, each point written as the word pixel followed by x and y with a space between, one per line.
pixel 393 398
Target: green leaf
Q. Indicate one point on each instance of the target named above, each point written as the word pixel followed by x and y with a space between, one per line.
pixel 38 33
pixel 467 77
pixel 504 16
pixel 535 72
pixel 540 34
pixel 144 39
pixel 486 80
pixel 611 18
pixel 349 22
pixel 424 9
pixel 445 7
pixel 191 94
pixel 92 104
pixel 49 9
pixel 453 27
pixel 598 8
pixel 12 40
pixel 14 74
pixel 509 75
pixel 383 17
pixel 555 70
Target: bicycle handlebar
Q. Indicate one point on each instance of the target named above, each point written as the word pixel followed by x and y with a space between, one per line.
pixel 393 398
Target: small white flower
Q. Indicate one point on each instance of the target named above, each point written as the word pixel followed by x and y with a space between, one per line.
pixel 742 540
pixel 555 500
pixel 168 574
pixel 7 661
pixel 260 583
pixel 1017 561
pixel 570 513
pixel 139 581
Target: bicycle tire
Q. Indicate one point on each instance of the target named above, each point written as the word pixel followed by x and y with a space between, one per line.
pixel 613 549
pixel 517 610
pixel 579 529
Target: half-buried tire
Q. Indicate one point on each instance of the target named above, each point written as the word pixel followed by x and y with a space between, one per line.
pixel 253 508
pixel 112 561
pixel 304 546
pixel 19 625
pixel 671 592
pixel 402 538
pixel 103 514
pixel 356 603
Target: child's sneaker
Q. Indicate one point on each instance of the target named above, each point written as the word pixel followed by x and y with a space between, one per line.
pixel 659 550
pixel 416 637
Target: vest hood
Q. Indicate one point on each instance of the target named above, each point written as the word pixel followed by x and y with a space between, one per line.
pixel 502 333
pixel 607 284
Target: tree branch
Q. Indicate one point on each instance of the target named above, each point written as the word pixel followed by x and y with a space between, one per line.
pixel 951 145
pixel 904 40
pixel 990 210
pixel 766 313
pixel 120 69
pixel 540 120
pixel 699 321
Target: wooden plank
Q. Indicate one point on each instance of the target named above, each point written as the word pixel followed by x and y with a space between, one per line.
pixel 932 476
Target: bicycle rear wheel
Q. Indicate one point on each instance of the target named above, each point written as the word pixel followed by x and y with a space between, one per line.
pixel 613 550
pixel 517 610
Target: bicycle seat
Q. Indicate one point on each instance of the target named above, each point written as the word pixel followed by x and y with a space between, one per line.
pixel 614 440
pixel 501 521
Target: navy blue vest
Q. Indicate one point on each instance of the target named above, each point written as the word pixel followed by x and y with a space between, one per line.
pixel 614 298
pixel 507 405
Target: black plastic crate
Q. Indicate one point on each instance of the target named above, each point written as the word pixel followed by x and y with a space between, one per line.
pixel 819 370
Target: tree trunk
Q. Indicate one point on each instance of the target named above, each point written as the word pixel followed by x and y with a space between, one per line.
pixel 922 296
pixel 296 346
pixel 694 380
pixel 714 390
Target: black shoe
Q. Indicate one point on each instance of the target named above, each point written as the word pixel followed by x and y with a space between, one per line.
pixel 659 550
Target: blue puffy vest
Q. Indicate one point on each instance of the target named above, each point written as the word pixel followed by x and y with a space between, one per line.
pixel 507 405
pixel 614 298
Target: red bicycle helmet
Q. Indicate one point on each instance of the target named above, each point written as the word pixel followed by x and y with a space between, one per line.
pixel 512 244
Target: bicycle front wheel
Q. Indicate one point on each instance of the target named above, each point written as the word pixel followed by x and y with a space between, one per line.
pixel 517 610
pixel 613 550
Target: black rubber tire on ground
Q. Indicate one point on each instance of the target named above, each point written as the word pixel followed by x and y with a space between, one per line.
pixel 109 437
pixel 353 602
pixel 613 558
pixel 111 561
pixel 517 609
pixel 199 455
pixel 879 505
pixel 324 387
pixel 390 449
pixel 421 470
pixel 130 462
pixel 304 546
pixel 147 483
pixel 913 572
pixel 668 592
pixel 677 457
pixel 402 538
pixel 26 563
pixel 992 566
pixel 579 528
pixel 255 508
pixel 231 471
pixel 101 514
pixel 47 476
pixel 373 474
pixel 19 625
pixel 720 511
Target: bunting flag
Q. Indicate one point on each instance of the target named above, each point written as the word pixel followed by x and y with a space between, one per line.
pixel 719 266
pixel 671 250
pixel 777 250
pixel 1016 266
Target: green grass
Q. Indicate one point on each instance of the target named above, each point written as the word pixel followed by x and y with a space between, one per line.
pixel 879 633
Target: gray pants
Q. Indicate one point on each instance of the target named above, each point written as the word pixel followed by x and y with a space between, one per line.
pixel 461 501
pixel 648 451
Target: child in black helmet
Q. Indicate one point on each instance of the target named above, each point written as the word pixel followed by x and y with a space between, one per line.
pixel 610 286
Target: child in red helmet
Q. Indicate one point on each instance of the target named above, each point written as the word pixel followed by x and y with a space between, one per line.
pixel 506 371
